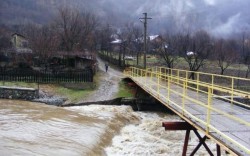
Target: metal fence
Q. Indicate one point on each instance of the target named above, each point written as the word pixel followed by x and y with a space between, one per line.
pixel 27 75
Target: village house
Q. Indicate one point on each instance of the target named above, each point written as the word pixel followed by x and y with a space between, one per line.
pixel 74 60
pixel 20 53
pixel 154 41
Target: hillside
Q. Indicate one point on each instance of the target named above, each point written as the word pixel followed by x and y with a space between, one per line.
pixel 220 18
pixel 42 11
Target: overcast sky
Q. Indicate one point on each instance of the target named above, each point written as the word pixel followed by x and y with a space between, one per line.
pixel 219 17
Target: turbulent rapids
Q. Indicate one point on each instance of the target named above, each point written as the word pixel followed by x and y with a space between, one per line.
pixel 29 128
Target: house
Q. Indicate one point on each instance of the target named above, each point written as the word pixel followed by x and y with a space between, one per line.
pixel 20 51
pixel 116 45
pixel 154 43
pixel 75 60
pixel 20 43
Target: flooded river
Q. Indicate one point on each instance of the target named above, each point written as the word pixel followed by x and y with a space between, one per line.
pixel 28 128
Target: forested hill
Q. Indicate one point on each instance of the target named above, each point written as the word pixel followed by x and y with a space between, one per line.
pixel 220 18
pixel 32 11
pixel 42 11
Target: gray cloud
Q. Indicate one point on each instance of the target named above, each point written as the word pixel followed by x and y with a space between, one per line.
pixel 219 17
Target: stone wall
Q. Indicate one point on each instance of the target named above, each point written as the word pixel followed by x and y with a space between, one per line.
pixel 18 93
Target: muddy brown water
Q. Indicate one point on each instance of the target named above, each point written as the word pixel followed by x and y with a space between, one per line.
pixel 28 128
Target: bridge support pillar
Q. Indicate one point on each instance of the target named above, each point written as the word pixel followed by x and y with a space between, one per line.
pixel 186 126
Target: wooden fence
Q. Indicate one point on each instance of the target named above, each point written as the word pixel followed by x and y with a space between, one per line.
pixel 22 75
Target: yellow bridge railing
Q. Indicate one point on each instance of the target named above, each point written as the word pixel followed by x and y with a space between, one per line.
pixel 212 86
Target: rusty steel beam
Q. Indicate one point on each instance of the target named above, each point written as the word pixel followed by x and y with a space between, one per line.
pixel 184 150
pixel 186 126
pixel 218 150
pixel 177 126
pixel 202 142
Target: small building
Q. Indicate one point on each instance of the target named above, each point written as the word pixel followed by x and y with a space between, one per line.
pixel 20 51
pixel 74 60
pixel 116 45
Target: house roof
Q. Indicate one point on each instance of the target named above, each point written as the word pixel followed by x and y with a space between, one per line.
pixel 116 41
pixel 152 37
pixel 18 35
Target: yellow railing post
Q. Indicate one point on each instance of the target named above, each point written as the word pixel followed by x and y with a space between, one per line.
pixel 151 83
pixel 158 84
pixel 169 88
pixel 186 75
pixel 178 76
pixel 184 96
pixel 232 93
pixel 209 99
pixel 171 70
pixel 212 84
pixel 197 82
pixel 132 72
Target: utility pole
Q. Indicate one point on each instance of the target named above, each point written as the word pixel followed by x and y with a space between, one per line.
pixel 144 20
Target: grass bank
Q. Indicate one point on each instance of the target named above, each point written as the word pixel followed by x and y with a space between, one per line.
pixel 125 90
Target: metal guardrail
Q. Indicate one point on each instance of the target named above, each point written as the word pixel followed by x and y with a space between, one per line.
pixel 211 85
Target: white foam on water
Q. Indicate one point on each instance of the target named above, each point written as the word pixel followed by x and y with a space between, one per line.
pixel 148 138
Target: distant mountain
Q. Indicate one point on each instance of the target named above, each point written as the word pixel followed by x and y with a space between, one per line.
pixel 31 11
pixel 220 18
pixel 42 11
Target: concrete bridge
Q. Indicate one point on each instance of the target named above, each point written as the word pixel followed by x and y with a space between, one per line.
pixel 216 105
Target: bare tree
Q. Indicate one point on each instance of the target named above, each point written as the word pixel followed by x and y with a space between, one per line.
pixel 75 28
pixel 127 38
pixel 104 38
pixel 225 52
pixel 89 25
pixel 43 40
pixel 195 49
pixel 168 50
pixel 4 40
pixel 246 53
pixel 137 43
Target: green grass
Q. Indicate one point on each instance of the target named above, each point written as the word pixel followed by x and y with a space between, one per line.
pixel 74 95
pixel 124 90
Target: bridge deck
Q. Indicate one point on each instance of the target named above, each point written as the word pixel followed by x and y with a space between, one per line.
pixel 217 122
